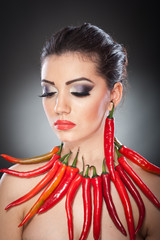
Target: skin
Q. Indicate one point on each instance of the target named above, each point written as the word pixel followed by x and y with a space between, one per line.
pixel 88 113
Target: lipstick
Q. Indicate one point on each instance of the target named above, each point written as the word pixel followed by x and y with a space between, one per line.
pixel 64 124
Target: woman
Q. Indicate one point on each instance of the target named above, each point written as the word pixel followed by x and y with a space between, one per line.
pixel 83 73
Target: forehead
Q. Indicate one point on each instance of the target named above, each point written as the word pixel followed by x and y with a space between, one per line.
pixel 68 65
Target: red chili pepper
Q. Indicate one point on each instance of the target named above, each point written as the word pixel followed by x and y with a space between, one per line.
pixel 46 193
pixel 139 182
pixel 37 159
pixel 97 199
pixel 137 159
pixel 32 173
pixel 106 188
pixel 69 201
pixel 109 143
pixel 134 192
pixel 62 189
pixel 87 203
pixel 126 204
pixel 40 185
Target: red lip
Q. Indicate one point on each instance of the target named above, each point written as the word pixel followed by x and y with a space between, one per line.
pixel 64 124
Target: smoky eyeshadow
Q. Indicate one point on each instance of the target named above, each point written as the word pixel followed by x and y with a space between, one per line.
pixel 44 89
pixel 47 89
pixel 81 88
pixel 78 90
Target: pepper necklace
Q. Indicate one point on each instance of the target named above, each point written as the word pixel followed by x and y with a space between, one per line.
pixel 64 180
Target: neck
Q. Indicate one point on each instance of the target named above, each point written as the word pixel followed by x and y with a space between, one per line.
pixel 91 149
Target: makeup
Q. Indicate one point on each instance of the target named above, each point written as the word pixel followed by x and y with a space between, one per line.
pixel 78 90
pixel 64 124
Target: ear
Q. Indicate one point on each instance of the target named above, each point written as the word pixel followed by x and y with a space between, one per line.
pixel 116 95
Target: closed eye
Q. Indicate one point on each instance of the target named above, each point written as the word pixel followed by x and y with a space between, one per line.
pixel 48 91
pixel 81 90
pixel 50 94
pixel 80 94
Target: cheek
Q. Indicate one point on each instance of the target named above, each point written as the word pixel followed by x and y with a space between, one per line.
pixel 48 108
pixel 95 110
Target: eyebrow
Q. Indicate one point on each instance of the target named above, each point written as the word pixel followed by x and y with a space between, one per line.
pixel 69 82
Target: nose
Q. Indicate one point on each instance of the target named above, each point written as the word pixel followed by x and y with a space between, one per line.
pixel 62 104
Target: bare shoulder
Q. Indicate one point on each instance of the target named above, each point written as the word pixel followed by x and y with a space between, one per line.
pixel 150 227
pixel 150 179
pixel 8 192
pixel 11 188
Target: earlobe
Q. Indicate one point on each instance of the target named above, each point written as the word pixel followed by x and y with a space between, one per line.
pixel 116 95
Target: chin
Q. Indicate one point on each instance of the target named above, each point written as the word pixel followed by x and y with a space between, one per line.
pixel 66 139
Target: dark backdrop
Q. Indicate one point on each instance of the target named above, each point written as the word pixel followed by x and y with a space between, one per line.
pixel 24 129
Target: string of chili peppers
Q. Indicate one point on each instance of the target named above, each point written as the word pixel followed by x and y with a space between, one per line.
pixel 63 180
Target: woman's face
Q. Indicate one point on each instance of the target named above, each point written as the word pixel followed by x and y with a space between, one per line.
pixel 75 97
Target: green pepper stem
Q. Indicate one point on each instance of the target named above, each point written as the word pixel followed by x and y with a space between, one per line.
pixel 75 160
pixel 103 167
pixel 86 173
pixel 81 173
pixel 66 159
pixel 94 172
pixel 118 145
pixel 110 116
pixel 62 158
pixel 118 154
pixel 60 150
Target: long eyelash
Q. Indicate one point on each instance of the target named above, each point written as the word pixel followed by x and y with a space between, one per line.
pixel 77 94
pixel 47 94
pixel 83 94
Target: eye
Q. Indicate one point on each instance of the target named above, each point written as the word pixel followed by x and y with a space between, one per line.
pixel 77 94
pixel 47 94
pixel 48 91
pixel 81 90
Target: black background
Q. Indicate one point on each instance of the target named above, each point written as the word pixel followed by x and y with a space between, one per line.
pixel 24 129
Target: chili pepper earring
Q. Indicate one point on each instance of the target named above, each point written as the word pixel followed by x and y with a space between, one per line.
pixel 109 143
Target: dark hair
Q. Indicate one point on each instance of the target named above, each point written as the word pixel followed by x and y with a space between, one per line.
pixel 110 56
